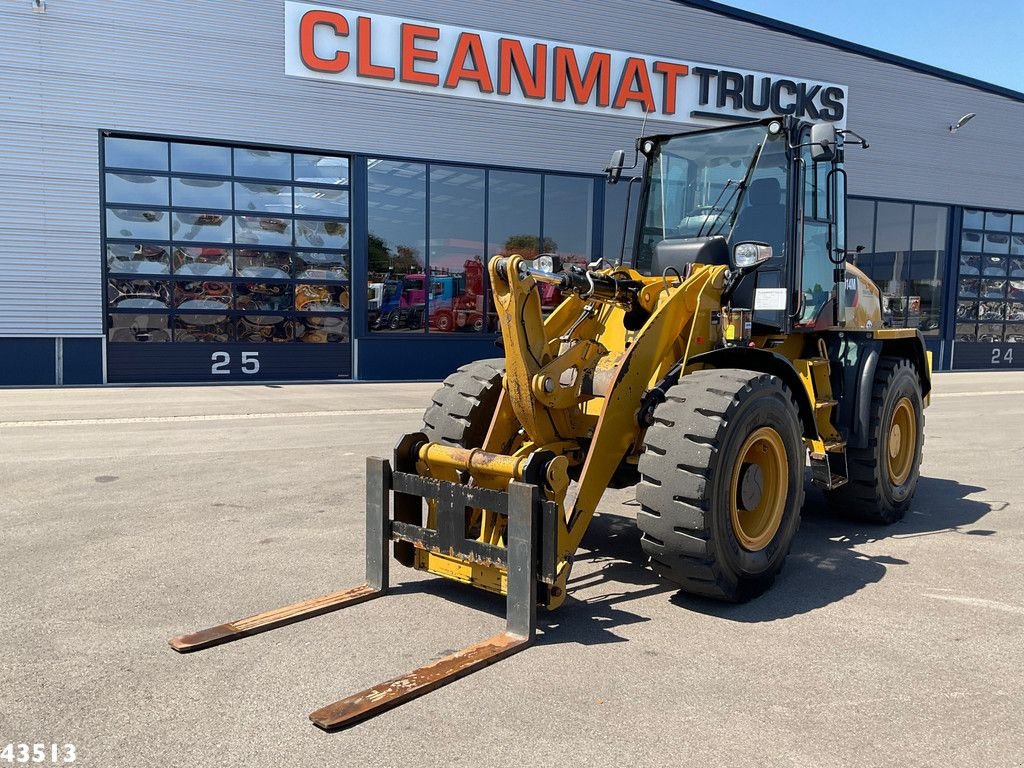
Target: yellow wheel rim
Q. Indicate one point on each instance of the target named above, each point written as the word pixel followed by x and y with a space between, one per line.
pixel 901 445
pixel 759 487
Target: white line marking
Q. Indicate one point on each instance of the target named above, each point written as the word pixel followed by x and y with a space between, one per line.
pixel 978 602
pixel 998 392
pixel 213 417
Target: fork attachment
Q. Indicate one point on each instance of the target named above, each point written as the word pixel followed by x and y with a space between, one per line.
pixel 523 505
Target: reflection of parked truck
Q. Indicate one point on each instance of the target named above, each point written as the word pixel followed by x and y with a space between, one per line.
pixel 457 301
pixel 401 303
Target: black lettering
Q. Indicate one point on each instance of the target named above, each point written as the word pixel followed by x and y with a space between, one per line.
pixel 748 94
pixel 777 106
pixel 705 76
pixel 805 105
pixel 730 88
pixel 832 106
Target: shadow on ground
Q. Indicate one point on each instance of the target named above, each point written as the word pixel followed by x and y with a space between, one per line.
pixel 823 566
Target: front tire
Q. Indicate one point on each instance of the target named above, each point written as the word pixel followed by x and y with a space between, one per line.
pixel 722 483
pixel 883 476
pixel 461 410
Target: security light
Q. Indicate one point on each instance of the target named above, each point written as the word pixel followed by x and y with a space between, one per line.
pixel 39 6
pixel 961 122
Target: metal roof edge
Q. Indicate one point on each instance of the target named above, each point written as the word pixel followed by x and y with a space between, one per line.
pixel 862 50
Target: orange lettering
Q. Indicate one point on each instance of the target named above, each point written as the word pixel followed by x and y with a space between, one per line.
pixel 411 54
pixel 567 74
pixel 512 58
pixel 307 49
pixel 672 73
pixel 469 45
pixel 366 67
pixel 635 73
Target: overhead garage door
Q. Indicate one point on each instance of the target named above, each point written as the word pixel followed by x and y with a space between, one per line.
pixel 225 262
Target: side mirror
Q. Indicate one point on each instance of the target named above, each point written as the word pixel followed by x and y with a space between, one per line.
pixel 614 169
pixel 823 142
pixel 749 255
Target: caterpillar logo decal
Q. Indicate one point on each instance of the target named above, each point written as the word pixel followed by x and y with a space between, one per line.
pixel 372 49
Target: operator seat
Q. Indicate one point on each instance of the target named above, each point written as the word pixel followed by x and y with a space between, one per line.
pixel 763 217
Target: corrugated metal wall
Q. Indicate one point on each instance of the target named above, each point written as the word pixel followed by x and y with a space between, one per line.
pixel 216 70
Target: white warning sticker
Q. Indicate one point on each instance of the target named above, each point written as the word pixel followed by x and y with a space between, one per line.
pixel 770 298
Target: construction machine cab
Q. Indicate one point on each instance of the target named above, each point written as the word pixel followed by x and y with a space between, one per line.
pixel 778 182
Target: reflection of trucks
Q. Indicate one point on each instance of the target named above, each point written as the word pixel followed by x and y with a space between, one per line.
pixel 457 301
pixel 400 304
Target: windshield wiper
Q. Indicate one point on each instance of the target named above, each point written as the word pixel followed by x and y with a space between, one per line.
pixel 742 188
pixel 711 211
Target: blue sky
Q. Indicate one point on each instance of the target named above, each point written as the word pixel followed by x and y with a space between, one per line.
pixel 984 40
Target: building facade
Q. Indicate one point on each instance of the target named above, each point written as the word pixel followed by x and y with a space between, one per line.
pixel 197 192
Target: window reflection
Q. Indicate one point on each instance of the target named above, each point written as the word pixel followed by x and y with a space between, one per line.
pixel 270 198
pixel 905 255
pixel 136 189
pixel 132 327
pixel 200 193
pixel 396 199
pixel 202 295
pixel 321 169
pixel 138 258
pixel 230 275
pixel 135 153
pixel 276 297
pixel 131 223
pixel 138 294
pixel 213 262
pixel 264 329
pixel 321 234
pixel 316 201
pixel 268 265
pixel 313 265
pixel 261 230
pixel 203 328
pixel 201 158
pixel 321 298
pixel 322 330
pixel 201 227
pixel 457 249
pixel 263 164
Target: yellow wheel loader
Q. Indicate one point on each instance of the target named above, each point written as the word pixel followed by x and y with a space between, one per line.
pixel 738 344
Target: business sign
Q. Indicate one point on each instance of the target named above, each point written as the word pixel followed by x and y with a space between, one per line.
pixel 360 48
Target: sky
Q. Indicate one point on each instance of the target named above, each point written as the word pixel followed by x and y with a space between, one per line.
pixel 982 39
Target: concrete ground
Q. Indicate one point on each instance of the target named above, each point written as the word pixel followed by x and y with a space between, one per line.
pixel 130 515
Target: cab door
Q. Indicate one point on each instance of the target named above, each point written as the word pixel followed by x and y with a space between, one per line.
pixel 821 235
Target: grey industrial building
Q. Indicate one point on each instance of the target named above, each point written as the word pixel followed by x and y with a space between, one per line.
pixel 274 190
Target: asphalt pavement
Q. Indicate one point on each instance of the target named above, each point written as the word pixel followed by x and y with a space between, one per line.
pixel 128 515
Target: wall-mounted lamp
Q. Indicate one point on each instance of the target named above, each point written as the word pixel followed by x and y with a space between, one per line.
pixel 39 6
pixel 961 122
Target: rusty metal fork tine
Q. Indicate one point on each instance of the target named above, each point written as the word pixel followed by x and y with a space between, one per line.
pixel 520 628
pixel 397 691
pixel 280 617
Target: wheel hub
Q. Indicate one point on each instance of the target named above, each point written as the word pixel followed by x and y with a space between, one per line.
pixel 760 485
pixel 901 442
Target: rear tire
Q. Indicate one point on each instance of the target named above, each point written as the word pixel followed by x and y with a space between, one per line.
pixel 461 410
pixel 883 476
pixel 711 522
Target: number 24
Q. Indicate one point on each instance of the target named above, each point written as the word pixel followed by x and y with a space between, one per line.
pixel 1002 356
pixel 221 362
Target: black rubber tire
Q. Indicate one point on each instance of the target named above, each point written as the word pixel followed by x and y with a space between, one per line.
pixel 870 495
pixel 461 410
pixel 686 470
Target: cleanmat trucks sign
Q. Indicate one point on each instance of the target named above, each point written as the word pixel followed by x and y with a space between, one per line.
pixel 371 49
